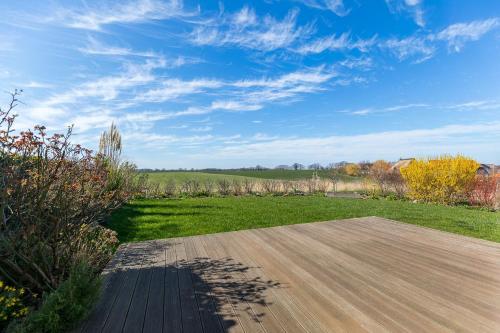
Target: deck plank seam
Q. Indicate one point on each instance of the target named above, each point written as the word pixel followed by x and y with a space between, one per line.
pixel 133 293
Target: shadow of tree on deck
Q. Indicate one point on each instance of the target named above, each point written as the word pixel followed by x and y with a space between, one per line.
pixel 145 293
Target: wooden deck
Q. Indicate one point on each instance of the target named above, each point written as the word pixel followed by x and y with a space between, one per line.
pixel 357 275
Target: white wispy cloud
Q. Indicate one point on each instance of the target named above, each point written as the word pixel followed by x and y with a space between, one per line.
pixel 475 105
pixel 478 105
pixel 201 129
pixel 456 35
pixel 244 29
pixel 137 11
pixel 173 88
pixel 394 108
pixel 90 98
pixel 335 6
pixel 342 42
pixel 287 87
pixel 418 48
pixel 310 76
pixel 36 85
pixel 245 17
pixel 151 140
pixel 411 7
pixel 94 47
pixel 6 44
pixel 240 95
pixel 236 150
pixel 470 139
pixel 109 87
pixel 234 105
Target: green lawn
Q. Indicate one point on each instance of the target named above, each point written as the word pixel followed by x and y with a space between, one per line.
pixel 182 176
pixel 153 219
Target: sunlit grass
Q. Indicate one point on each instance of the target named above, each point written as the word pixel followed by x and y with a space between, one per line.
pixel 154 219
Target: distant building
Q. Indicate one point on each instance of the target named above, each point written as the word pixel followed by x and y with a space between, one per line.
pixel 402 163
pixel 341 164
pixel 488 170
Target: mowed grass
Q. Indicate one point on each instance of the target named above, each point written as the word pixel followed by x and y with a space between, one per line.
pixel 164 218
pixel 282 174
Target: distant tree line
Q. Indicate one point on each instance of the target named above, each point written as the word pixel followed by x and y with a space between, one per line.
pixel 364 167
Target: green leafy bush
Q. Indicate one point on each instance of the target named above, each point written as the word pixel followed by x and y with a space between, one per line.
pixel 63 309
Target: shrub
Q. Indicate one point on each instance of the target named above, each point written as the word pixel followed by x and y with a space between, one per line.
pixel 352 169
pixel 151 190
pixel 388 181
pixel 286 185
pixel 323 186
pixel 270 186
pixel 191 187
pixel 249 186
pixel 297 187
pixel 62 309
pixel 224 187
pixel 53 195
pixel 483 192
pixel 333 178
pixel 94 245
pixel 444 180
pixel 378 172
pixel 237 188
pixel 170 188
pixel 11 305
pixel 394 182
pixel 311 185
pixel 208 187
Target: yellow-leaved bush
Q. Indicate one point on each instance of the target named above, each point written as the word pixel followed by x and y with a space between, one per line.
pixel 352 169
pixel 445 179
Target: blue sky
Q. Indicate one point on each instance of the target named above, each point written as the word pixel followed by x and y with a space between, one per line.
pixel 231 83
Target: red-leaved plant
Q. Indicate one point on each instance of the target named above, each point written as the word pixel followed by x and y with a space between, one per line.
pixel 483 192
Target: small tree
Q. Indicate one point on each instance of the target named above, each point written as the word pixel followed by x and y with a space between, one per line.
pixel 315 166
pixel 378 172
pixel 352 169
pixel 334 178
pixel 365 167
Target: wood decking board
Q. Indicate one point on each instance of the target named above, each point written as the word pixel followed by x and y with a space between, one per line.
pixel 232 287
pixel 118 314
pixel 110 290
pixel 172 315
pixel 153 320
pixel 357 275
